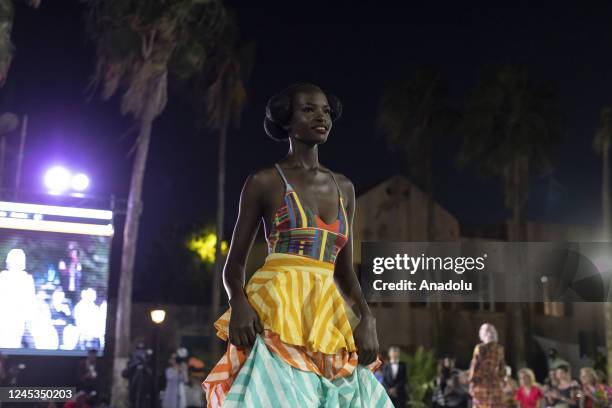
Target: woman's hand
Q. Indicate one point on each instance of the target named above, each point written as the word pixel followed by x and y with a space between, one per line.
pixel 244 323
pixel 366 339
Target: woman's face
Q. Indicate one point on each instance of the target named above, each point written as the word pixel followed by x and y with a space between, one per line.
pixel 486 332
pixel 560 374
pixel 586 377
pixel 311 119
pixel 525 380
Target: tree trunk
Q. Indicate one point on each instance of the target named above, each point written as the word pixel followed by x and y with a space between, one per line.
pixel 6 26
pixel 219 261
pixel 605 191
pixel 119 392
pixel 516 177
pixel 605 204
pixel 22 139
pixel 2 155
pixel 438 326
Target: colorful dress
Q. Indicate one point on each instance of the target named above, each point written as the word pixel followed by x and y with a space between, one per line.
pixel 529 399
pixel 306 355
pixel 487 372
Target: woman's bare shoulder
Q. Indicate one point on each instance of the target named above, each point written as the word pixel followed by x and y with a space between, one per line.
pixel 264 177
pixel 345 184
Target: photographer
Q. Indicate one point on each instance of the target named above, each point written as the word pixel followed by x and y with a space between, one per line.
pixel 139 374
pixel 176 378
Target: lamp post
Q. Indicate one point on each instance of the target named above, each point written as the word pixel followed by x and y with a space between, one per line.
pixel 157 316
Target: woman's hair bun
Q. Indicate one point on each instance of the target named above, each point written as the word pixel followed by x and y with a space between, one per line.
pixel 279 110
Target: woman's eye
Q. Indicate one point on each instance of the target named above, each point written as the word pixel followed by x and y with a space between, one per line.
pixel 307 109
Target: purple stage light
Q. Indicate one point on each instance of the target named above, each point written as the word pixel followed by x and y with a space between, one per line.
pixel 80 182
pixel 57 179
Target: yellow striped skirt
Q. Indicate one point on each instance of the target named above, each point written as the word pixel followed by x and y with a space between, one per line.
pixel 296 298
pixel 306 322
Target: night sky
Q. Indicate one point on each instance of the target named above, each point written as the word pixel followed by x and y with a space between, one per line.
pixel 348 51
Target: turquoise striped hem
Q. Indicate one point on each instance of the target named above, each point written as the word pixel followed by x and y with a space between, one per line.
pixel 265 381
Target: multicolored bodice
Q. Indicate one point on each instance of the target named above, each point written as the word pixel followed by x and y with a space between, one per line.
pixel 297 230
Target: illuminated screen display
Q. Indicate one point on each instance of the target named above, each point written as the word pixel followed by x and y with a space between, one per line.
pixel 54 264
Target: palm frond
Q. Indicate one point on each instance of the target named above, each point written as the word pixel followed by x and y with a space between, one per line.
pixel 508 116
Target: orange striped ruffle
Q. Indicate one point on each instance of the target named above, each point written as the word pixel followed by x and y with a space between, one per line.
pixel 220 379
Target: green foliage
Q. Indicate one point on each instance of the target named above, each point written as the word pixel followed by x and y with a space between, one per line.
pixel 421 367
pixel 220 92
pixel 183 276
pixel 412 114
pixel 7 13
pixel 509 117
pixel 138 41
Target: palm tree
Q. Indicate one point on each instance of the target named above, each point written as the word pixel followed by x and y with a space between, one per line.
pixel 136 43
pixel 414 113
pixel 510 125
pixel 7 13
pixel 601 145
pixel 221 96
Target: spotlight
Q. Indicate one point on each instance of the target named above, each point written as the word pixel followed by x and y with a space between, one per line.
pixel 80 182
pixel 57 179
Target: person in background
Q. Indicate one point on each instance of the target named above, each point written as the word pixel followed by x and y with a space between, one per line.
pixel 487 370
pixel 592 393
pixel 394 378
pixel 564 394
pixel 510 388
pixel 61 315
pixel 379 371
pixel 88 373
pixel 17 299
pixel 440 383
pixel 529 394
pixel 71 272
pixel 140 376
pixel 176 379
pixel 86 317
pixel 464 381
pixel 194 394
pixel 455 395
pixel 78 401
pixel 602 380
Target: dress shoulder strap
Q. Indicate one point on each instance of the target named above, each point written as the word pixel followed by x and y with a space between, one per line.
pixel 280 172
pixel 336 183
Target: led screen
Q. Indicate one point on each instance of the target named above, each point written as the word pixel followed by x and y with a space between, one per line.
pixel 54 264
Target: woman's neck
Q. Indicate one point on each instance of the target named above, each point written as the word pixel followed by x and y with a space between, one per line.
pixel 303 155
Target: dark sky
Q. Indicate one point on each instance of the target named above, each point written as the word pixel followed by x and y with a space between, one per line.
pixel 348 50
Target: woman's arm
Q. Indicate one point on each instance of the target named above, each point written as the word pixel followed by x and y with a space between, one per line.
pixel 502 363
pixel 346 279
pixel 244 322
pixel 474 366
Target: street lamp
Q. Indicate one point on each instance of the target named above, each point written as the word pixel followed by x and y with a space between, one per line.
pixel 60 180
pixel 157 316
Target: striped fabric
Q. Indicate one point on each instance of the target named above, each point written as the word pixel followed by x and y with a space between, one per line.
pixel 265 381
pixel 306 355
pixel 297 230
pixel 297 298
pixel 221 377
